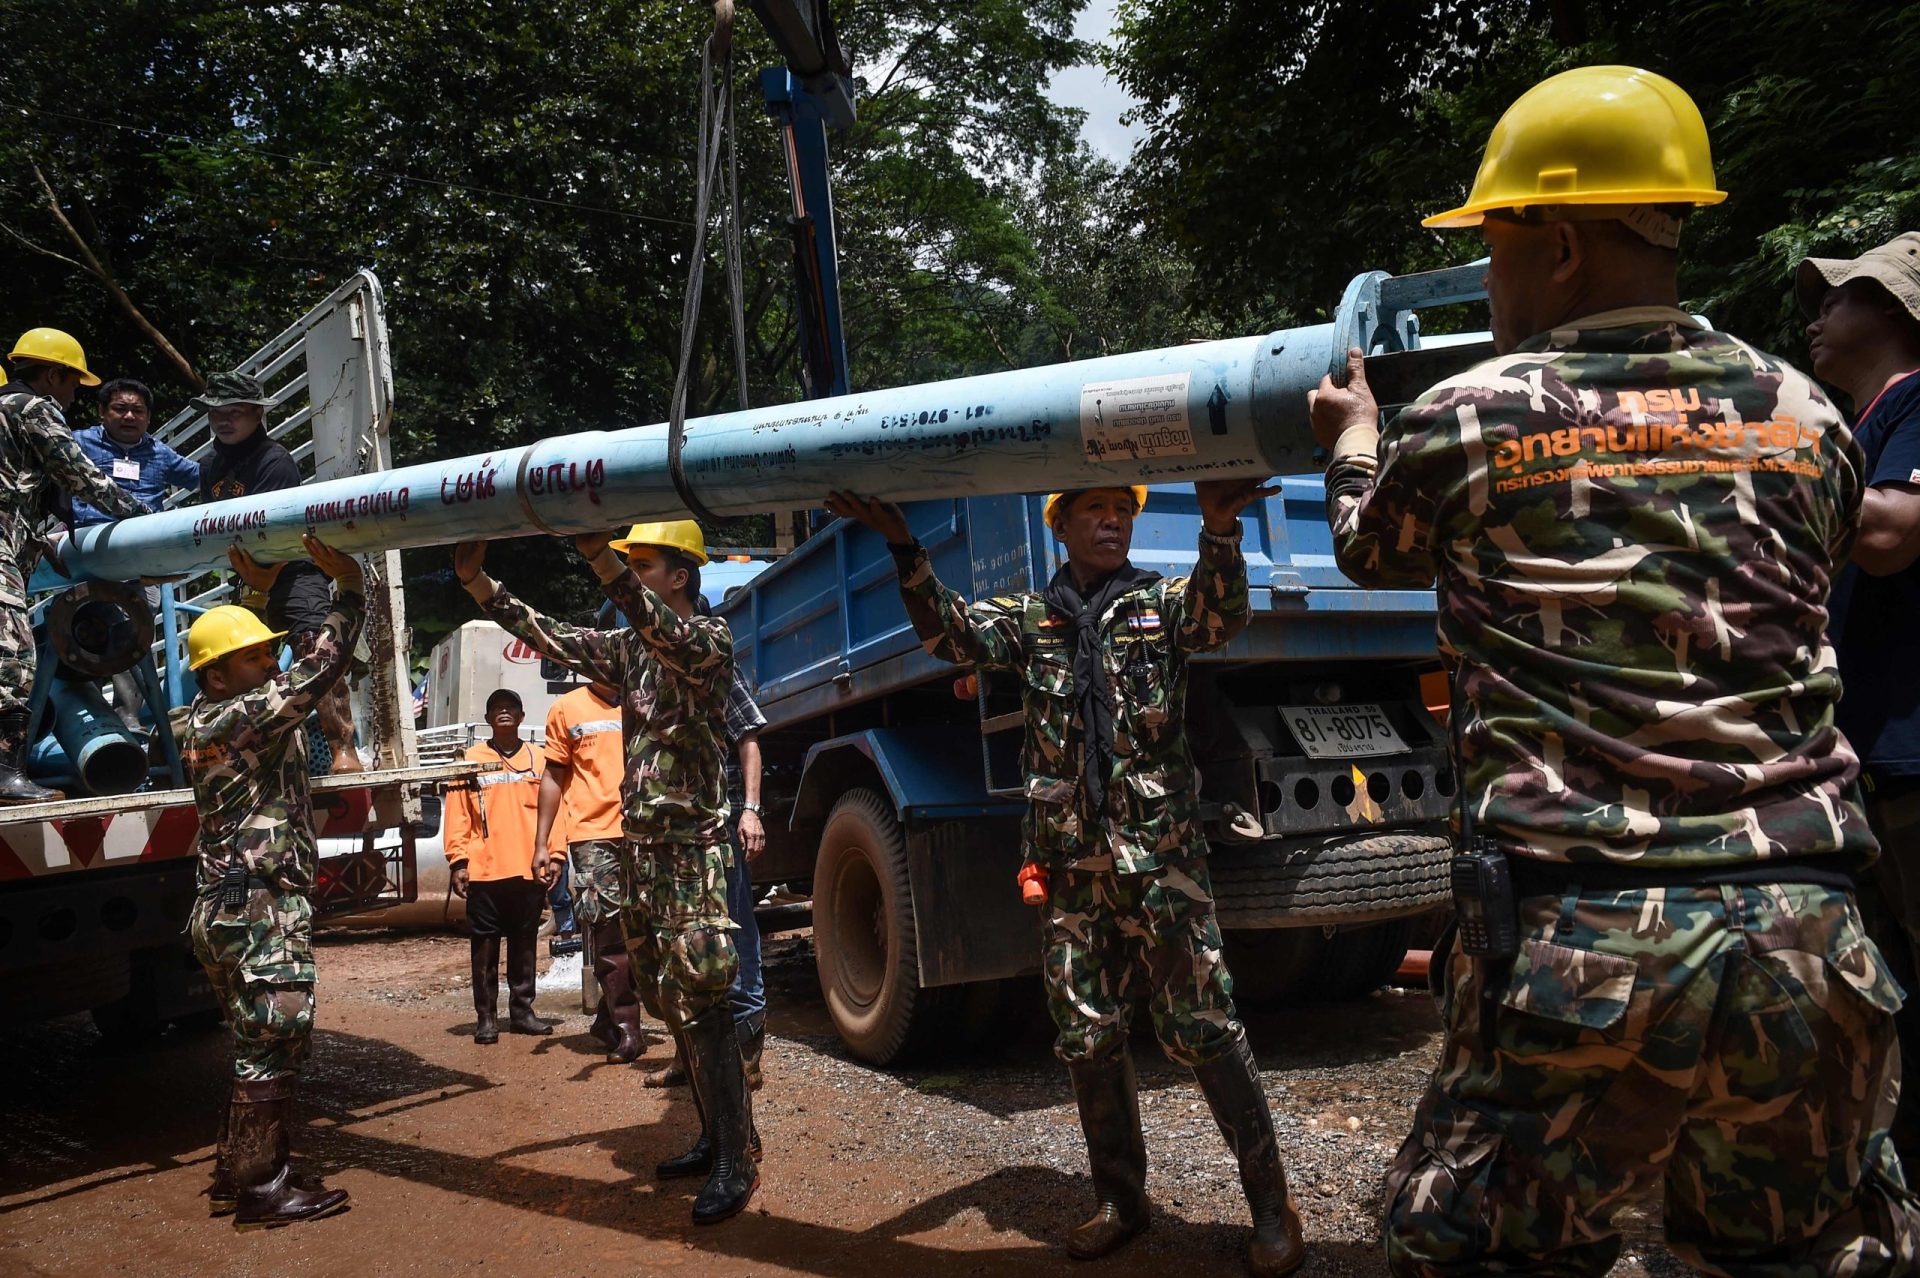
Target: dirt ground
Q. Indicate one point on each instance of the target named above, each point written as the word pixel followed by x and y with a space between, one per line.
pixel 536 1156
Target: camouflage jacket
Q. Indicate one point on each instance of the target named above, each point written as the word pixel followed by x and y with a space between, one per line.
pixel 673 677
pixel 246 758
pixel 1147 634
pixel 38 456
pixel 1634 523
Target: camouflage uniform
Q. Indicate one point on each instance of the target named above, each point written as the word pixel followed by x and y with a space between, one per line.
pixel 246 758
pixel 37 459
pixel 673 676
pixel 1131 907
pixel 601 888
pixel 1634 523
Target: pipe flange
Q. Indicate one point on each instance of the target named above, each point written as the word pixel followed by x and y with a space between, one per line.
pixel 100 628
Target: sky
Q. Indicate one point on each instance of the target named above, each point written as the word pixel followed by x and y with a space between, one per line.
pixel 1090 89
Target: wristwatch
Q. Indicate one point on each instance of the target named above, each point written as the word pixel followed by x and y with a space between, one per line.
pixel 750 807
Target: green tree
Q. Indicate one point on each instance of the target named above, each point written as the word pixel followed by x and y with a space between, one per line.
pixel 520 177
pixel 1291 145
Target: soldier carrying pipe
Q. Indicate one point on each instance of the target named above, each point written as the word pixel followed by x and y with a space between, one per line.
pixel 1112 815
pixel 1634 522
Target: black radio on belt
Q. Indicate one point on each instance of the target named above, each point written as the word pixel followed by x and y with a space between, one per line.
pixel 1482 881
pixel 1483 905
pixel 233 885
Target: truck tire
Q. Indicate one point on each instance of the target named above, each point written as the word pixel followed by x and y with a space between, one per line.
pixel 864 938
pixel 1298 966
pixel 1330 881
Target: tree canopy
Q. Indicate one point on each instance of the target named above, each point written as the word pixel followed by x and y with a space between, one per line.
pixel 199 172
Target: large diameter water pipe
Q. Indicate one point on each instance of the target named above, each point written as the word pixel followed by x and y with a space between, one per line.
pixel 1214 409
pixel 100 751
pixel 1209 410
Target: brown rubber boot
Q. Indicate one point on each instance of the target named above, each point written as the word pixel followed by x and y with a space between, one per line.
pixel 1116 1154
pixel 335 712
pixel 257 1140
pixel 222 1197
pixel 611 965
pixel 523 973
pixel 1231 1084
pixel 486 989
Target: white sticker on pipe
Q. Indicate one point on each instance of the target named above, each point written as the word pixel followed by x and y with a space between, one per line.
pixel 1134 417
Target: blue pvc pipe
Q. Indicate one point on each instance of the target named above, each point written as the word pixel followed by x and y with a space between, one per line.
pixel 1210 410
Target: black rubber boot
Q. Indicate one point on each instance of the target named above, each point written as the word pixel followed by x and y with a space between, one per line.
pixel 698 1160
pixel 713 1055
pixel 675 1074
pixel 1231 1084
pixel 222 1197
pixel 614 968
pixel 753 1041
pixel 523 971
pixel 14 785
pixel 1116 1153
pixel 486 989
pixel 257 1140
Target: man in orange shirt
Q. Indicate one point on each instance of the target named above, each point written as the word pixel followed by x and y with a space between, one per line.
pixel 580 798
pixel 490 826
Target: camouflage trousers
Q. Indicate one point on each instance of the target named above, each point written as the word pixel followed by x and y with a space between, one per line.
pixel 1734 1044
pixel 600 885
pixel 1115 938
pixel 259 959
pixel 17 654
pixel 679 935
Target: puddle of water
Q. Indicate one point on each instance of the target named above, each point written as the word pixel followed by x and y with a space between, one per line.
pixel 562 974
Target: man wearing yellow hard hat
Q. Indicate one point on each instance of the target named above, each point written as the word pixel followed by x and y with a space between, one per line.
pixel 1112 840
pixel 245 752
pixel 1659 975
pixel 38 460
pixel 673 666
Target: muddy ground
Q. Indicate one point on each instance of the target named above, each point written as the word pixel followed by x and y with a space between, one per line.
pixel 535 1156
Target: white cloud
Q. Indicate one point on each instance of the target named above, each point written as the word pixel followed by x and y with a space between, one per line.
pixel 1090 89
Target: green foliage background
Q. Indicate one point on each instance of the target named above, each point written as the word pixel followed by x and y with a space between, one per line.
pixel 519 177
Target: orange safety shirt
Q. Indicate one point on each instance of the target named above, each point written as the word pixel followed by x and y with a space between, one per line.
pixel 583 736
pixel 490 820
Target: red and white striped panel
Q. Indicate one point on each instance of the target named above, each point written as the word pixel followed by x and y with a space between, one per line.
pixel 30 849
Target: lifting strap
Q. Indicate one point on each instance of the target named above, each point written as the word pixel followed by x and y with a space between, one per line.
pixel 716 127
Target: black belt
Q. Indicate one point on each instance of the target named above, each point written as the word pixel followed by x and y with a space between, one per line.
pixel 1533 877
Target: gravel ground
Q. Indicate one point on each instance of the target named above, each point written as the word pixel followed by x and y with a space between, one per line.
pixel 537 1153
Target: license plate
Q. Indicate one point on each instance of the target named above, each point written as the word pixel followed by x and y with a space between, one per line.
pixel 1342 732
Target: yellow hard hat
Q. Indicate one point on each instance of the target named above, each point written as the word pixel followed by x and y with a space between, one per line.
pixel 1593 135
pixel 1139 492
pixel 227 628
pixel 683 535
pixel 51 346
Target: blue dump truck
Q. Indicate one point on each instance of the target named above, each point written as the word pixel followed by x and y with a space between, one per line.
pixel 1323 771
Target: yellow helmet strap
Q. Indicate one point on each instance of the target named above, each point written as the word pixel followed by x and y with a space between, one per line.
pixel 1659 225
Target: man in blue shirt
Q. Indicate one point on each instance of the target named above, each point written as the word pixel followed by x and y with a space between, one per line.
pixel 1865 340
pixel 135 460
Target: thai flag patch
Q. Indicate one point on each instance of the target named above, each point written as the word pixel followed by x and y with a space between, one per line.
pixel 1142 622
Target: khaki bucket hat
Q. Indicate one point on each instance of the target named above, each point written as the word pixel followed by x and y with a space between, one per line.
pixel 1894 266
